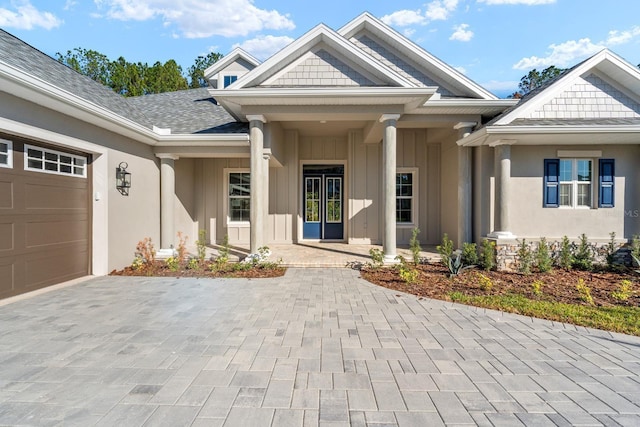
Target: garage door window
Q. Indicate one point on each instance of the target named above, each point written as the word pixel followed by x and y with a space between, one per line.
pixel 50 161
pixel 6 154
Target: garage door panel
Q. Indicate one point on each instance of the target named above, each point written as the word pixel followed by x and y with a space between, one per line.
pixel 45 233
pixel 45 225
pixel 55 267
pixel 6 195
pixel 7 241
pixel 49 196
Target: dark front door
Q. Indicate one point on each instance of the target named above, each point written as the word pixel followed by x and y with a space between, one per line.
pixel 323 189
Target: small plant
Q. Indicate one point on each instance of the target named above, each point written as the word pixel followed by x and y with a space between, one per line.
pixel 182 247
pixel 536 288
pixel 486 284
pixel 407 274
pixel 543 256
pixel 624 291
pixel 470 253
pixel 635 250
pixel 259 258
pixel 488 255
pixel 201 245
pixel 137 263
pixel 583 258
pixel 193 264
pixel 456 265
pixel 525 257
pixel 377 257
pixel 173 263
pixel 241 266
pixel 414 245
pixel 584 291
pixel 223 252
pixel 446 250
pixel 146 250
pixel 565 254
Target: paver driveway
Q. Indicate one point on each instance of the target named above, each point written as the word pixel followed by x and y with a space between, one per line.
pixel 319 346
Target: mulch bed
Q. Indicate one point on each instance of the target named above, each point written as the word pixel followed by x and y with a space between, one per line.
pixel 160 269
pixel 558 285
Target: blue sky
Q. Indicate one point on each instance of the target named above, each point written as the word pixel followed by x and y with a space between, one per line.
pixel 494 42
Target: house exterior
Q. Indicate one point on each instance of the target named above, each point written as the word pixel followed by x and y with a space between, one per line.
pixel 355 135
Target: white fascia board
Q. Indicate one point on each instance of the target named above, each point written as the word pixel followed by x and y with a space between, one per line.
pixel 208 140
pixel 65 102
pixel 435 106
pixel 320 33
pixel 416 53
pixel 559 130
pixel 226 60
pixel 566 81
pixel 382 91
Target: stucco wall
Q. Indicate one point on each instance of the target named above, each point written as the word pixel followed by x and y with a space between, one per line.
pixel 530 219
pixel 123 220
pixel 448 184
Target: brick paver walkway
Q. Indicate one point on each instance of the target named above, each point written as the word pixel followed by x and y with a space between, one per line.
pixel 317 347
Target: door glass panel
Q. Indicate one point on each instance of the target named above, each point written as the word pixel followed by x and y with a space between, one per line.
pixel 312 199
pixel 334 199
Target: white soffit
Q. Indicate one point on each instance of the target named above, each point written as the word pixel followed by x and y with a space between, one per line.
pixel 414 54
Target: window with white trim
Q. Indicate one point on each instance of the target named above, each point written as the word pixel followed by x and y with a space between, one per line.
pixel 575 183
pixel 228 79
pixel 406 196
pixel 6 153
pixel 239 197
pixel 40 159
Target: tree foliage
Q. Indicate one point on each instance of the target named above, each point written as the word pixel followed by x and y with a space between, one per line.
pixel 135 79
pixel 196 71
pixel 534 79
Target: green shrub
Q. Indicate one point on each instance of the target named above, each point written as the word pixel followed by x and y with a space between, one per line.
pixel 584 291
pixel 543 256
pixel 223 251
pixel 377 257
pixel 456 265
pixel 193 264
pixel 565 254
pixel 201 245
pixel 173 263
pixel 407 274
pixel 137 263
pixel 445 250
pixel 488 255
pixel 486 284
pixel 414 245
pixel 610 251
pixel 583 258
pixel 624 291
pixel 536 288
pixel 241 266
pixel 635 249
pixel 470 253
pixel 524 257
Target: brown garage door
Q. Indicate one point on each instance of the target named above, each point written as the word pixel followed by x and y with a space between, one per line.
pixel 45 217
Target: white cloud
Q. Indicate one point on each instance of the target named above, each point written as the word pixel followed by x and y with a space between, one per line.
pixel 198 19
pixel 461 33
pixel 409 32
pixel 404 18
pixel 621 37
pixel 26 17
pixel 569 52
pixel 498 86
pixel 439 10
pixel 263 47
pixel 70 4
pixel 524 2
pixel 461 69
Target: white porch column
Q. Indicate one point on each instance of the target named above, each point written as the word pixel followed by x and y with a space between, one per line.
pixel 465 196
pixel 167 196
pixel 259 167
pixel 502 166
pixel 389 186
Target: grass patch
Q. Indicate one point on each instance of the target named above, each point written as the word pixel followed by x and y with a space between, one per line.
pixel 618 319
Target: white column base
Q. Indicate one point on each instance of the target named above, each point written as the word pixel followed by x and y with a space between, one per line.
pixel 166 253
pixel 502 235
pixel 390 260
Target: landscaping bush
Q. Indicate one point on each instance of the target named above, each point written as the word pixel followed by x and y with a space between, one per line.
pixel 469 253
pixel 544 262
pixel 565 254
pixel 414 245
pixel 583 257
pixel 524 257
pixel 488 255
pixel 445 249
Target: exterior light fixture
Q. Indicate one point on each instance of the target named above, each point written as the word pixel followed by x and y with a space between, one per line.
pixel 123 179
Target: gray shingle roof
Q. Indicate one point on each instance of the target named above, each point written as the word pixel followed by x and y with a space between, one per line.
pixel 19 54
pixel 188 111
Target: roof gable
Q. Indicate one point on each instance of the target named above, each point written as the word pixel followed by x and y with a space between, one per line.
pixel 322 38
pixel 408 59
pixel 602 87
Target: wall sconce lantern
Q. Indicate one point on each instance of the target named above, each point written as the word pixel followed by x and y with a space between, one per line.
pixel 123 179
